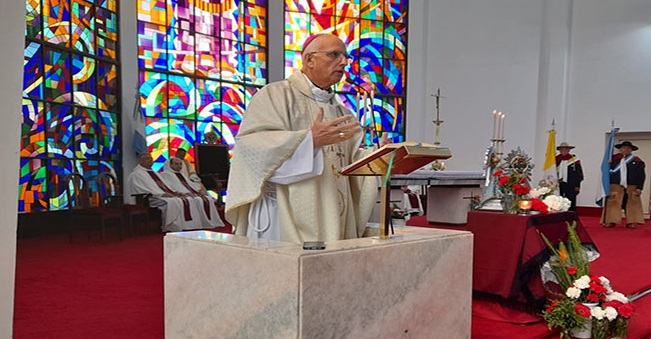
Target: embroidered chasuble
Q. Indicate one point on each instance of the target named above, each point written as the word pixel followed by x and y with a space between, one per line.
pixel 178 213
pixel 324 207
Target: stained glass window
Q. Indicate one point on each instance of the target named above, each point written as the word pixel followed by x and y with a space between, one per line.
pixel 200 63
pixel 70 114
pixel 375 33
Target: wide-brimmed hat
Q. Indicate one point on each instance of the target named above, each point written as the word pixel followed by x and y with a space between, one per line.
pixel 627 143
pixel 564 145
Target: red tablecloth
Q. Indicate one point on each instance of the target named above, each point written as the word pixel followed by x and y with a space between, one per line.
pixel 508 253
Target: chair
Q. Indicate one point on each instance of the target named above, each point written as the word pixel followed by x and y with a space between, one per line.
pixel 109 197
pixel 83 215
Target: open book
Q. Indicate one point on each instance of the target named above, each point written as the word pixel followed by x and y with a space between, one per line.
pixel 409 157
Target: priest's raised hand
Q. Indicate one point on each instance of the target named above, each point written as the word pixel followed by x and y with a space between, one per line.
pixel 333 131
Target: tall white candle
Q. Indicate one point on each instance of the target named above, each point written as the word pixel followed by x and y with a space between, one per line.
pixel 502 126
pixel 494 135
pixel 366 109
pixel 358 103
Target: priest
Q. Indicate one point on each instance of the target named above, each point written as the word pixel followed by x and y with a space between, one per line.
pixel 178 212
pixel 294 138
pixel 178 180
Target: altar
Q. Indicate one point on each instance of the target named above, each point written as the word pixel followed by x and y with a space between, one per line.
pixel 448 192
pixel 415 284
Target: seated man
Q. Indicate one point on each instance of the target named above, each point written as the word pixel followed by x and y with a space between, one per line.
pixel 188 169
pixel 178 211
pixel 411 201
pixel 177 179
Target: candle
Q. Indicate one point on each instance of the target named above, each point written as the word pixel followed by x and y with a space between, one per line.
pixel 499 125
pixel 372 106
pixel 365 107
pixel 494 135
pixel 502 126
pixel 358 103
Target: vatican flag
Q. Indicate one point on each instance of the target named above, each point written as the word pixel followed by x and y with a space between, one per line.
pixel 549 168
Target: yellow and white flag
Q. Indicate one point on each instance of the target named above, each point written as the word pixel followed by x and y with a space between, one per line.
pixel 550 173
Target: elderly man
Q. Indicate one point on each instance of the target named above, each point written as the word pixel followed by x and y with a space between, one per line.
pixel 179 212
pixel 177 179
pixel 627 175
pixel 295 136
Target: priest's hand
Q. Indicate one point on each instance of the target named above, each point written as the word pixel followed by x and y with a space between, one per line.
pixel 333 131
pixel 384 140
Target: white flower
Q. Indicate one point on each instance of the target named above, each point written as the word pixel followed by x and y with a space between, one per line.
pixel 611 313
pixel 540 191
pixel 573 292
pixel 557 203
pixel 597 312
pixel 617 296
pixel 606 283
pixel 582 282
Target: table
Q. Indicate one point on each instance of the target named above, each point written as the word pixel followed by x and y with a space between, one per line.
pixel 447 192
pixel 508 253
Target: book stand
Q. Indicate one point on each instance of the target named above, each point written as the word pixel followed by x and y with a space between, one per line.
pixel 398 158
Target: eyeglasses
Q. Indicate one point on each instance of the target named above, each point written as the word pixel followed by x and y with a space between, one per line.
pixel 336 55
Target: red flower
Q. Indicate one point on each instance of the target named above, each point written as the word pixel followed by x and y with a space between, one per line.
pixel 571 270
pixel 498 173
pixel 521 189
pixel 597 288
pixel 538 205
pixel 613 303
pixel 593 297
pixel 582 310
pixel 626 310
pixel 502 181
pixel 551 307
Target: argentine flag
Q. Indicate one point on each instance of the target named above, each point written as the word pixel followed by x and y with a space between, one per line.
pixel 603 186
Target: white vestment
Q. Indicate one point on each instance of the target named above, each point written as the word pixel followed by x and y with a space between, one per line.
pixel 176 215
pixel 180 182
pixel 275 168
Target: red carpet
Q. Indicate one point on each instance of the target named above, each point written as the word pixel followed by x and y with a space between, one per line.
pixel 625 257
pixel 115 290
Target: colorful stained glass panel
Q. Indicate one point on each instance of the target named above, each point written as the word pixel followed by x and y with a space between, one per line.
pixel 58 130
pixel 57 69
pixel 56 25
pixel 33 71
pixel 152 47
pixel 32 143
pixel 107 86
pixel 83 26
pixel 32 185
pixel 33 19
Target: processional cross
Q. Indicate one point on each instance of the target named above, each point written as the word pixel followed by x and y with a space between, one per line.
pixel 438 121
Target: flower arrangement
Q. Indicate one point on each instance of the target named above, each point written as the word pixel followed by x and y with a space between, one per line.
pixel 513 187
pixel 586 302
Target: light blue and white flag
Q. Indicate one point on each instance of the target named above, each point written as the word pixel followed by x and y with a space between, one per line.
pixel 139 143
pixel 603 186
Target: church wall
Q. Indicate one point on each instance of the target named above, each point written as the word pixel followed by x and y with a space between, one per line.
pixel 580 63
pixel 12 26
